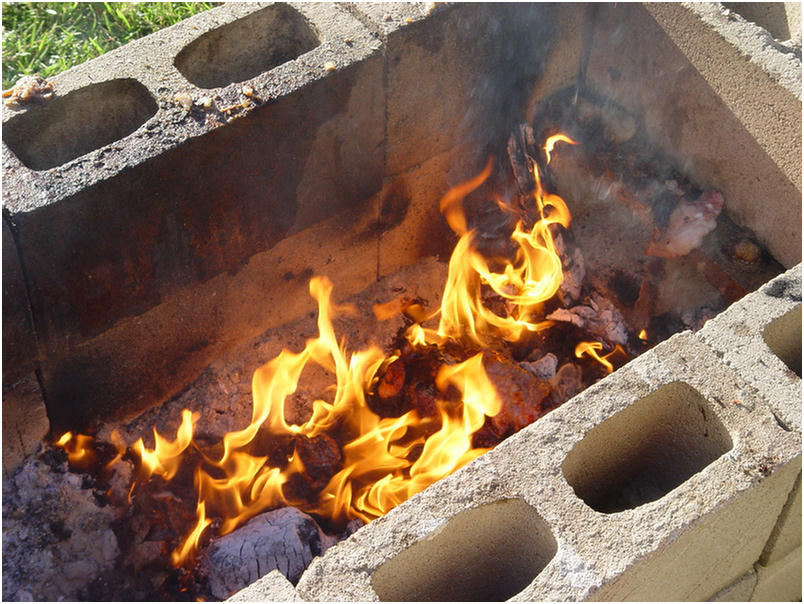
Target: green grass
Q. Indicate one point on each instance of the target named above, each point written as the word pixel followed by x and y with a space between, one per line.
pixel 50 37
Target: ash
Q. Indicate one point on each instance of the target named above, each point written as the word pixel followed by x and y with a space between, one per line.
pixel 57 531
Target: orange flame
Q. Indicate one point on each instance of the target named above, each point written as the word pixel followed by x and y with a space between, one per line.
pixel 383 461
pixel 591 348
pixel 532 278
pixel 80 453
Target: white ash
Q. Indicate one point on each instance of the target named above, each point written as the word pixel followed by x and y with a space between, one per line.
pixel 566 383
pixel 285 540
pixel 57 538
pixel 598 316
pixel 573 269
pixel 689 223
pixel 544 368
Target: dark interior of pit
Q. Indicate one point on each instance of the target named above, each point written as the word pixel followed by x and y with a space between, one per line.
pixel 622 194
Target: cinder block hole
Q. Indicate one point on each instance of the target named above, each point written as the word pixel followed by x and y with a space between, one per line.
pixel 245 48
pixel 783 337
pixel 643 452
pixel 86 119
pixel 488 553
pixel 770 15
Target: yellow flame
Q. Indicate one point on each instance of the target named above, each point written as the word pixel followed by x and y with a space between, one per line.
pixel 551 141
pixel 591 348
pixel 383 461
pixel 80 453
pixel 532 278
pixel 643 335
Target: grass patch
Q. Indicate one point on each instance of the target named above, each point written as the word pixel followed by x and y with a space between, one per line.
pixel 50 37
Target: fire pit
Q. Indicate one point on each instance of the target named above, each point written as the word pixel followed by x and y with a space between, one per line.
pixel 132 264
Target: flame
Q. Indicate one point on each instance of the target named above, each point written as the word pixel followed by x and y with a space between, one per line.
pixel 643 335
pixel 164 459
pixel 591 348
pixel 531 278
pixel 80 452
pixel 379 462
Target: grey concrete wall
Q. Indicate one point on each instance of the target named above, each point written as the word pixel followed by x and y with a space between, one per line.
pixel 720 100
pixel 163 216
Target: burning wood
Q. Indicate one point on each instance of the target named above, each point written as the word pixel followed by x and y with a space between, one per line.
pixel 285 539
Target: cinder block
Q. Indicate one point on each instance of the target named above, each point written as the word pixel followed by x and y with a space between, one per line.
pixel 25 421
pixel 145 224
pixel 273 587
pixel 779 18
pixel 722 103
pixel 786 534
pixel 488 58
pixel 411 225
pixel 760 337
pixel 739 591
pixel 686 544
pixel 781 581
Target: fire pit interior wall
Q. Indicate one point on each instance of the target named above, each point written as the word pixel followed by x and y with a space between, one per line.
pixel 147 258
pixel 130 268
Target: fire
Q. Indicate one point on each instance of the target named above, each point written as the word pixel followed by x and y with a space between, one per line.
pixel 80 452
pixel 591 348
pixel 531 278
pixel 346 461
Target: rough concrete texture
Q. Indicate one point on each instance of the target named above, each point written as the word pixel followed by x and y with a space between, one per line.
pixel 25 420
pixel 739 336
pixel 724 107
pixel 273 587
pixel 782 20
pixel 786 535
pixel 781 581
pixel 739 591
pixel 688 544
pixel 482 82
pixel 127 228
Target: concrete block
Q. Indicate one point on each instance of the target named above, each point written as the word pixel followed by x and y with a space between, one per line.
pixel 780 19
pixel 25 421
pixel 488 58
pixel 686 544
pixel 273 587
pixel 722 103
pixel 739 591
pixel 155 355
pixel 786 535
pixel 19 338
pixel 411 224
pixel 781 581
pixel 760 337
pixel 146 223
pixel 565 60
